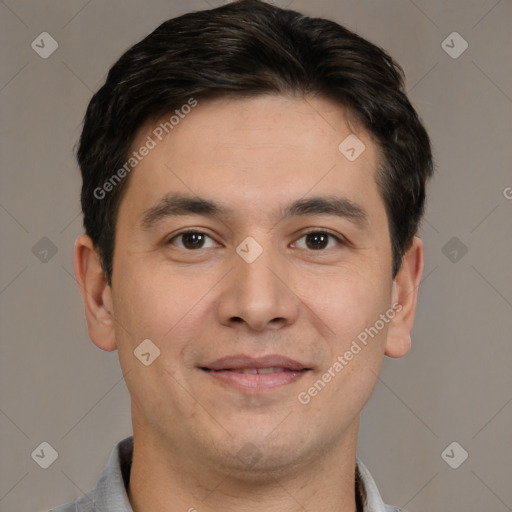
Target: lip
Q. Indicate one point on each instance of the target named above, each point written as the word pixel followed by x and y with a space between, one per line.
pixel 227 370
pixel 241 361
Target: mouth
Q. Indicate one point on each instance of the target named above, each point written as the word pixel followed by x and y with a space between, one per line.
pixel 258 374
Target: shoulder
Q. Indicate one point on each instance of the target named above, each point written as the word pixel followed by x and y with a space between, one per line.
pixel 109 495
pixel 81 505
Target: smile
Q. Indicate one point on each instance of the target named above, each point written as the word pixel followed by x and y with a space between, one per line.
pixel 255 374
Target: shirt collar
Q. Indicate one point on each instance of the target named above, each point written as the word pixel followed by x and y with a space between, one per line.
pixel 373 502
pixel 110 494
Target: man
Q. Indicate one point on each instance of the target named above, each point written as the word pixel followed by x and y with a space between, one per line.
pixel 253 182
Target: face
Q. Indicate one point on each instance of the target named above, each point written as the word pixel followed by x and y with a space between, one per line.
pixel 253 297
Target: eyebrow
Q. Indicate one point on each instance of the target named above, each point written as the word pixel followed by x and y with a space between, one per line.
pixel 173 205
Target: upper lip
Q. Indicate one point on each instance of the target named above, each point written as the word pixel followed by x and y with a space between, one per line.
pixel 239 362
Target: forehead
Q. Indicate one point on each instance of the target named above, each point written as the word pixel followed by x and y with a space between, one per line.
pixel 256 153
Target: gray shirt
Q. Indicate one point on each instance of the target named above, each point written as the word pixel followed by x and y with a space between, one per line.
pixel 110 493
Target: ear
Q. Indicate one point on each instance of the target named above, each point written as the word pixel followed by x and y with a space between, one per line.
pixel 405 293
pixel 96 293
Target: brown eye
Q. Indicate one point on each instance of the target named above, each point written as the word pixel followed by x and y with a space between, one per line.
pixel 318 240
pixel 190 240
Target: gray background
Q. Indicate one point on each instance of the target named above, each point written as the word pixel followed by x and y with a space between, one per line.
pixel 455 384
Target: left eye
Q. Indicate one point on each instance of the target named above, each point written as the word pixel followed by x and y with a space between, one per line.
pixel 318 240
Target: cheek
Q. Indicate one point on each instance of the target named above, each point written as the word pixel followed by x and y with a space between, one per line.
pixel 351 307
pixel 166 307
pixel 150 301
pixel 148 307
pixel 348 303
pixel 345 383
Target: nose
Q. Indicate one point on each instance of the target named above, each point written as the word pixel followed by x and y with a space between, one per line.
pixel 259 295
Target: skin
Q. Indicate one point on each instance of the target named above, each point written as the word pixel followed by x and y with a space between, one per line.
pixel 197 305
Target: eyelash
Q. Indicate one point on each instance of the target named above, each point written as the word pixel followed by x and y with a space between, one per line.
pixel 339 239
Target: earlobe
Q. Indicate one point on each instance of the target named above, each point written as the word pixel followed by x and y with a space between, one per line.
pixel 405 293
pixel 96 293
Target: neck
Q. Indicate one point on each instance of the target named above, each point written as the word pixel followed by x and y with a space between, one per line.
pixel 163 480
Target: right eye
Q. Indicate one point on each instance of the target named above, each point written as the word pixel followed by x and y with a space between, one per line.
pixel 191 240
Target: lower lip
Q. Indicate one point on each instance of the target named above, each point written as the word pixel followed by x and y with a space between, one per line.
pixel 258 381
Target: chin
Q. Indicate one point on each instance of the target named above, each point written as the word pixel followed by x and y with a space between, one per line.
pixel 259 459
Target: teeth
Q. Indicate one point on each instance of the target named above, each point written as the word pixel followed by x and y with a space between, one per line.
pixel 254 371
pixel 270 370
